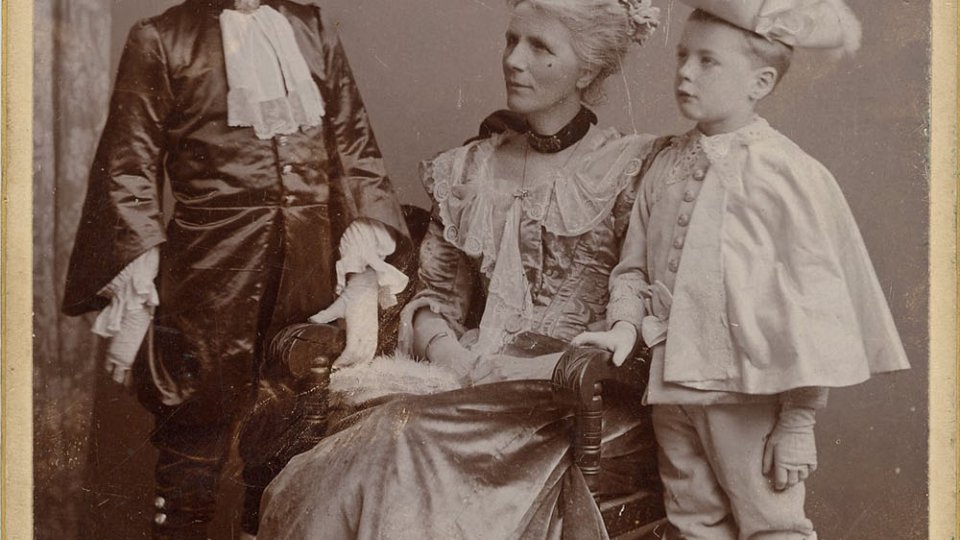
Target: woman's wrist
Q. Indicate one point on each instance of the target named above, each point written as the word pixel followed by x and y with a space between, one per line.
pixel 439 336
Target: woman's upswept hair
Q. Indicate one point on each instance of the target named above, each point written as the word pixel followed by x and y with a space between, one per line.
pixel 602 32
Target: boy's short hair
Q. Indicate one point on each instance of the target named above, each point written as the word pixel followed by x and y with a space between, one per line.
pixel 765 52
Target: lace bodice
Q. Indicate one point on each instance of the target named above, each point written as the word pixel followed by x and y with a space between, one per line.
pixel 541 262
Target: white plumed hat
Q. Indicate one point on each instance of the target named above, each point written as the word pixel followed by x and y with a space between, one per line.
pixel 815 24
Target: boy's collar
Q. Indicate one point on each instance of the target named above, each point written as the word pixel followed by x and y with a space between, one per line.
pixel 718 146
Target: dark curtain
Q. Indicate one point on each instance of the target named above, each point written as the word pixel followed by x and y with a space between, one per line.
pixel 71 90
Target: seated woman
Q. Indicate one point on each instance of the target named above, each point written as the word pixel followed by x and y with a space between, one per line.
pixel 527 225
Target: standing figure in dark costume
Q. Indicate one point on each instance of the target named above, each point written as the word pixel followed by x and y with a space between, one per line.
pixel 250 110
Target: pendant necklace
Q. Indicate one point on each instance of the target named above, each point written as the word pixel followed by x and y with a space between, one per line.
pixel 522 193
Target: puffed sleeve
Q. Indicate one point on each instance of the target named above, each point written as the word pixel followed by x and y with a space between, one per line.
pixel 363 188
pixel 447 277
pixel 121 216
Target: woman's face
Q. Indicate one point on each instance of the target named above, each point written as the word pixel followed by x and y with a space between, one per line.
pixel 540 68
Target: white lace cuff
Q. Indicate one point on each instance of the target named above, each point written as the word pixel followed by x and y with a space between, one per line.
pixel 366 244
pixel 131 290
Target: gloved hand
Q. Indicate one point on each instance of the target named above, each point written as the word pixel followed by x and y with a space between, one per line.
pixel 619 340
pixel 123 347
pixel 357 305
pixel 790 454
pixel 125 321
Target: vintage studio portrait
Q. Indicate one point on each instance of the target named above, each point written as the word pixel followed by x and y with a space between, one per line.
pixel 481 269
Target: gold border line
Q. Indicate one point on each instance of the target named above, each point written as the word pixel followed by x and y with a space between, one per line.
pixel 16 456
pixel 943 274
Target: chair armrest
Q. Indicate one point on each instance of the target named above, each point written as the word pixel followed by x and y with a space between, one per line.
pixel 578 376
pixel 302 350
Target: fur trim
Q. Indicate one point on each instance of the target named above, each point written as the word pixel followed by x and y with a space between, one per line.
pixel 398 373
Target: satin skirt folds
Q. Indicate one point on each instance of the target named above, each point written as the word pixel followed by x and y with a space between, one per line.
pixel 229 280
pixel 492 461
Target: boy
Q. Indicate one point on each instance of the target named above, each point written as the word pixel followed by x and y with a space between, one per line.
pixel 757 290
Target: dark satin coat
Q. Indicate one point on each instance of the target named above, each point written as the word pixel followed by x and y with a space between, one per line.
pixel 251 245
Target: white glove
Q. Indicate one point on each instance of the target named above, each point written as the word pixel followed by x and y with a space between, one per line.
pixel 123 347
pixel 790 454
pixel 133 297
pixel 357 305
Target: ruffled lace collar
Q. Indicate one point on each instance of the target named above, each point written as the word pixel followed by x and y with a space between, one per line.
pixel 473 203
pixel 717 147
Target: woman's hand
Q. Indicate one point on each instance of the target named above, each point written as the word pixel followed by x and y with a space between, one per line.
pixel 619 340
pixel 501 367
pixel 445 351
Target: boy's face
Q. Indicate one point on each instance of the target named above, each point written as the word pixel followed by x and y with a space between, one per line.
pixel 716 84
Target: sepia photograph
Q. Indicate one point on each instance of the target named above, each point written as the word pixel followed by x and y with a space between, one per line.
pixel 484 269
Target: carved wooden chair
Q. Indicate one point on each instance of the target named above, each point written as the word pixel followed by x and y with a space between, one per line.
pixel 291 414
pixel 587 376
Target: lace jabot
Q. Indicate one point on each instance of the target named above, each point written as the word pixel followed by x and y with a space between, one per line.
pixel 270 85
pixel 473 207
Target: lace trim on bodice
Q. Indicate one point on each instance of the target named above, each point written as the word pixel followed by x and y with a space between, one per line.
pixel 473 207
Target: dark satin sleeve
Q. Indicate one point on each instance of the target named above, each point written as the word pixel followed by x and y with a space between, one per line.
pixel 363 188
pixel 122 216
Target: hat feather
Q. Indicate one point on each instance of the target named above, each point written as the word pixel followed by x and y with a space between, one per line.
pixel 850 28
